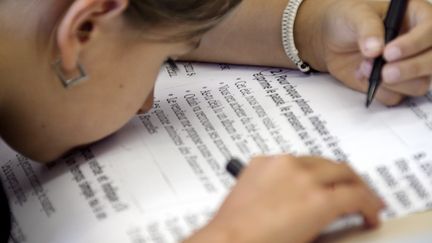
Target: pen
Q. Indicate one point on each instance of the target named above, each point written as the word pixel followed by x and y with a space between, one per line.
pixel 234 167
pixel 392 24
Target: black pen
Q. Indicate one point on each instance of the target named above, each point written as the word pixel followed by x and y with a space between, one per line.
pixel 392 23
pixel 234 167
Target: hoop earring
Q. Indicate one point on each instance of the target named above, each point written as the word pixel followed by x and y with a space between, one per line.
pixel 69 82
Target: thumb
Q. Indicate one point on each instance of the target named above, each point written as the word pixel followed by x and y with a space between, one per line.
pixel 369 28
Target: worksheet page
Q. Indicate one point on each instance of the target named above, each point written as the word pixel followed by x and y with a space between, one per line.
pixel 163 175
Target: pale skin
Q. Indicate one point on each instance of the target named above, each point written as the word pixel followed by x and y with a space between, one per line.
pixel 315 192
pixel 274 193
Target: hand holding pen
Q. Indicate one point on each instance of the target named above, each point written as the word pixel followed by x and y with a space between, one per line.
pixel 392 24
pixel 353 39
pixel 404 69
pixel 289 199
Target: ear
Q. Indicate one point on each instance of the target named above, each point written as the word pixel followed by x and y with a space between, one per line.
pixel 80 21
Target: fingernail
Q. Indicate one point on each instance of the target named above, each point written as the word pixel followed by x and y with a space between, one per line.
pixel 391 74
pixel 373 45
pixel 359 74
pixel 366 68
pixel 388 97
pixel 392 53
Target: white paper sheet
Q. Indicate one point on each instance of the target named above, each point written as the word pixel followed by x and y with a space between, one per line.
pixel 163 176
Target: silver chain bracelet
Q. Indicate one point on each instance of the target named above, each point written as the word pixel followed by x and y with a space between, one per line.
pixel 288 20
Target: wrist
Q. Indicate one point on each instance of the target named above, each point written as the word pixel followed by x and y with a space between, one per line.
pixel 308 34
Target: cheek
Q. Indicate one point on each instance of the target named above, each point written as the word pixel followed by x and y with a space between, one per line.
pixel 45 126
pixel 47 120
pixel 114 106
pixel 119 90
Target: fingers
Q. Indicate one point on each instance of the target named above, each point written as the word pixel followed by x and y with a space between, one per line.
pixel 419 87
pixel 355 199
pixel 370 30
pixel 333 174
pixel 419 36
pixel 360 82
pixel 323 171
pixel 342 191
pixel 409 69
pixel 388 97
pixel 415 84
pixel 415 41
pixel 316 185
pixel 418 39
pixel 330 173
pixel 392 93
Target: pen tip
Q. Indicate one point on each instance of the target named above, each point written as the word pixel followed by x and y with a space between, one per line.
pixel 371 93
pixel 368 103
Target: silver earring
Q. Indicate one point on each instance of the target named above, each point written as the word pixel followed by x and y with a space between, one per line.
pixel 69 82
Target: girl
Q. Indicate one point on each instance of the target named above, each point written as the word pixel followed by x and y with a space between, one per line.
pixel 48 47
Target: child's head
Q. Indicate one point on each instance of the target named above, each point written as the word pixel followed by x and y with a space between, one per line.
pixel 119 43
pixel 189 18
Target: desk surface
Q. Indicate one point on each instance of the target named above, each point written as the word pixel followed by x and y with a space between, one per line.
pixel 412 229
